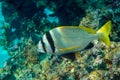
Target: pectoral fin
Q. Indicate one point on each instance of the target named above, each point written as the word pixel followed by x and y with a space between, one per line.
pixel 70 56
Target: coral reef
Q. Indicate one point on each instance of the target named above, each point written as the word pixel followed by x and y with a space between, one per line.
pixel 30 52
pixel 90 65
pixel 91 20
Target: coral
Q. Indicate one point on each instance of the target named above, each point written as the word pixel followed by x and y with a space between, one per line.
pixel 30 53
pixel 97 75
pixel 116 59
pixel 113 51
pixel 91 19
pixel 86 67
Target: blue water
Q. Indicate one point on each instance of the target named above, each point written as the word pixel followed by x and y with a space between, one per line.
pixel 3 56
pixel 3 53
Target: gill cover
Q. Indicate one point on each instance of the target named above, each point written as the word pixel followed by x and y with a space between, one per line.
pixel 104 32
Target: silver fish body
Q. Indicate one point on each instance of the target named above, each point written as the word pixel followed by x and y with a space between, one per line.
pixel 62 40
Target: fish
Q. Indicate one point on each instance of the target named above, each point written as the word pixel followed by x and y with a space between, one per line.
pixel 69 39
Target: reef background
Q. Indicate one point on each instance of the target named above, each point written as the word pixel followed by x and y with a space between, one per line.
pixel 28 20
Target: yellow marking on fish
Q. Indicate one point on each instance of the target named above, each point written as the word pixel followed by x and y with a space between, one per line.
pixel 69 48
pixel 89 30
pixel 68 26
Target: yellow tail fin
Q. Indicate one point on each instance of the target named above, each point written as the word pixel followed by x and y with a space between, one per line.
pixel 104 32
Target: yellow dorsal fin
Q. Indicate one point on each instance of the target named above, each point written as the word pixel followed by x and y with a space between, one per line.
pixel 89 30
pixel 68 27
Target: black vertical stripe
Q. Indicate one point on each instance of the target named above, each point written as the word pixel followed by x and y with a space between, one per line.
pixel 50 40
pixel 43 45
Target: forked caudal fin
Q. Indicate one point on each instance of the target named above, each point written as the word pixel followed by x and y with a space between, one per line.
pixel 104 32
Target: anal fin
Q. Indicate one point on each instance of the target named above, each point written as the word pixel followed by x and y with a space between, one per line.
pixel 70 56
